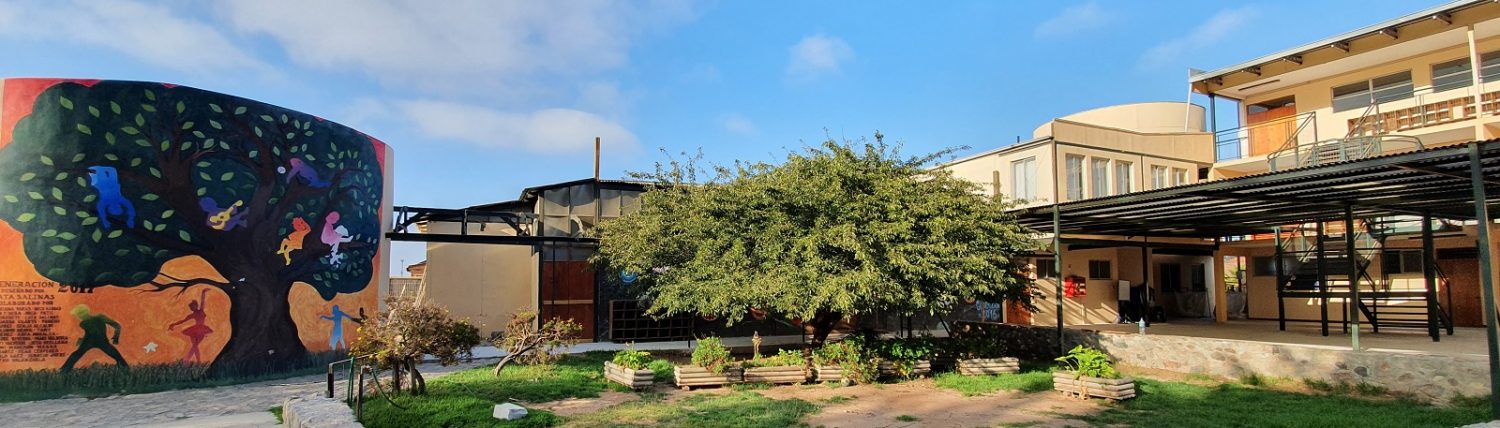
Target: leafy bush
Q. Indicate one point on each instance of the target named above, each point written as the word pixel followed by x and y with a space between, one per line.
pixel 783 358
pixel 905 353
pixel 661 369
pixel 852 356
pixel 410 329
pixel 523 341
pixel 1086 361
pixel 632 359
pixel 711 354
pixel 971 347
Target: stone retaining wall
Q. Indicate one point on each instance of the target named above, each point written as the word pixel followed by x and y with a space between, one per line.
pixel 317 412
pixel 1429 377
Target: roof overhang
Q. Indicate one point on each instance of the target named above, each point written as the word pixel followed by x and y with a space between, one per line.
pixel 1432 182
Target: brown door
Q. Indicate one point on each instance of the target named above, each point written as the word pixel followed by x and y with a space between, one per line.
pixel 1017 314
pixel 1462 291
pixel 567 290
pixel 1276 126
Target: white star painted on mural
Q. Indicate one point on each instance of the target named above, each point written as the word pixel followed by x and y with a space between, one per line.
pixel 150 347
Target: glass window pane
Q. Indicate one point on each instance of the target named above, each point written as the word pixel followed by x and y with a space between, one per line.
pixel 1124 176
pixel 1074 171
pixel 1451 75
pixel 1099 176
pixel 1351 96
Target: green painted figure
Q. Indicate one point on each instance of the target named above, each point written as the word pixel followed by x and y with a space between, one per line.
pixel 94 329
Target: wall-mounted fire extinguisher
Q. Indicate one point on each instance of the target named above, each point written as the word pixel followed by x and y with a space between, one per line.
pixel 1075 286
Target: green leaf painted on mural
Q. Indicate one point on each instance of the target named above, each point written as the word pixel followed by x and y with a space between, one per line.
pixel 60 176
pixel 66 236
pixel 204 176
pixel 114 107
pixel 226 176
pixel 60 210
pixel 166 145
pixel 85 129
pixel 78 157
pixel 148 108
pixel 155 172
pixel 28 176
pixel 258 132
pixel 189 125
pixel 94 111
pixel 35 195
pixel 181 107
pixel 57 193
pixel 25 217
pixel 202 191
pixel 46 160
pixel 91 220
pixel 167 214
pixel 239 110
pixel 97 235
pixel 185 236
pixel 150 95
pixel 12 199
pixel 116 234
pixel 49 233
pixel 267 118
pixel 140 120
pixel 215 124
pixel 130 130
pixel 65 102
pixel 60 249
pixel 215 108
pixel 161 227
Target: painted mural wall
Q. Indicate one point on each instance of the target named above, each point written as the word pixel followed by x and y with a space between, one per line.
pixel 151 224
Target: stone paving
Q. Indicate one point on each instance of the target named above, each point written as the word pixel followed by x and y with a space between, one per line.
pixel 244 405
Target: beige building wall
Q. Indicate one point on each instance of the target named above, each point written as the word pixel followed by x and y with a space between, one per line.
pixel 484 283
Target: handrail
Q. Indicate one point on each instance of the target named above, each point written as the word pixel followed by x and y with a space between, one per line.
pixel 1237 135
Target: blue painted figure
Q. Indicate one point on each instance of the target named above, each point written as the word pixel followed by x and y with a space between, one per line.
pixel 307 173
pixel 336 337
pixel 106 181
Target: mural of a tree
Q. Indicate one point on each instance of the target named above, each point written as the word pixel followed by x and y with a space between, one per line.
pixel 110 181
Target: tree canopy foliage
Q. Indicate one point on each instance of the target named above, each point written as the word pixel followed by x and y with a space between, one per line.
pixel 841 229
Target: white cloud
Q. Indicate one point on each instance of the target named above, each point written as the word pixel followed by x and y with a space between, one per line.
pixel 150 33
pixel 547 131
pixel 1203 36
pixel 739 124
pixel 456 45
pixel 1075 19
pixel 816 56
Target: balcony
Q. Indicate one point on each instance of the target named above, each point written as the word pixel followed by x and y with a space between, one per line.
pixel 1426 109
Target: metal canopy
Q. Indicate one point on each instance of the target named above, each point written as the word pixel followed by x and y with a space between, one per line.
pixel 1432 181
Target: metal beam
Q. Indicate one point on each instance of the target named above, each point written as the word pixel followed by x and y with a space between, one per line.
pixel 1353 302
pixel 483 239
pixel 1486 272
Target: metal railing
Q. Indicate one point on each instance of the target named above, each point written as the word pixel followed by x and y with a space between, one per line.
pixel 1229 143
pixel 354 385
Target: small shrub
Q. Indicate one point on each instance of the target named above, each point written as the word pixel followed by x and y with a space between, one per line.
pixel 971 347
pixel 632 359
pixel 905 353
pixel 711 354
pixel 524 342
pixel 1085 361
pixel 661 369
pixel 783 358
pixel 908 418
pixel 852 356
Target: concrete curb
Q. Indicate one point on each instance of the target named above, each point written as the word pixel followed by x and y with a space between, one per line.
pixel 317 412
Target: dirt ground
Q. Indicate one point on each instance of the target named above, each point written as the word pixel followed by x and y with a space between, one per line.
pixel 918 403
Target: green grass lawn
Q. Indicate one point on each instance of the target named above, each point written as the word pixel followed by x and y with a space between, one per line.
pixel 1230 405
pixel 737 409
pixel 1032 378
pixel 467 398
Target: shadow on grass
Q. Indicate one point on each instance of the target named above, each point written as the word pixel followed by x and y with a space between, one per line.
pixel 1230 405
pixel 467 398
pixel 104 380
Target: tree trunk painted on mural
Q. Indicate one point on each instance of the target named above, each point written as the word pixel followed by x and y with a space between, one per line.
pixel 109 180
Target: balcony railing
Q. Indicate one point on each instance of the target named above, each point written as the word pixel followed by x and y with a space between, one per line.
pixel 1265 137
pixel 1429 107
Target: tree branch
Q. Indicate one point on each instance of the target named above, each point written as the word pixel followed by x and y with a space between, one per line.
pixel 182 285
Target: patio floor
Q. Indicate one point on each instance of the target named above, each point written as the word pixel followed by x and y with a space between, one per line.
pixel 1465 340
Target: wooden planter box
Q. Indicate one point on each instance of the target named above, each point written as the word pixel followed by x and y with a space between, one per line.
pixel 636 379
pixel 777 375
pixel 922 368
pixel 1084 387
pixel 988 366
pixel 691 376
pixel 831 374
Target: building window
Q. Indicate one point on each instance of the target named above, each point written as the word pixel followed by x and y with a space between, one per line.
pixel 1124 176
pixel 1099 176
pixel 1046 268
pixel 1023 178
pixel 1401 261
pixel 1099 269
pixel 1266 265
pixel 1074 171
pixel 1489 66
pixel 1179 176
pixel 1378 90
pixel 1158 177
pixel 1451 75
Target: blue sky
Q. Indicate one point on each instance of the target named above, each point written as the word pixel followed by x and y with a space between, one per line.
pixel 483 98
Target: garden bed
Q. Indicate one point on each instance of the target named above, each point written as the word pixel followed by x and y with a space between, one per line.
pixel 1084 386
pixel 830 374
pixel 635 379
pixel 694 376
pixel 988 366
pixel 921 368
pixel 776 375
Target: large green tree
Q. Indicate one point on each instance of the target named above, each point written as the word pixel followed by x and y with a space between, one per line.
pixel 843 229
pixel 110 180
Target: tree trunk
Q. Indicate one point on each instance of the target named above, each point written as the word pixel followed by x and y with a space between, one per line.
pixel 822 324
pixel 262 337
pixel 418 383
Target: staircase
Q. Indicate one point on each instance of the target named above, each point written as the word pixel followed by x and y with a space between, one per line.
pixel 1366 138
pixel 1381 306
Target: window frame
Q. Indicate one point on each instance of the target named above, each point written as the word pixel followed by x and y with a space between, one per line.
pixel 1159 177
pixel 1023 178
pixel 1099 179
pixel 1461 77
pixel 1074 172
pixel 1106 265
pixel 1124 176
